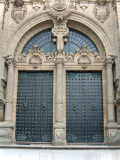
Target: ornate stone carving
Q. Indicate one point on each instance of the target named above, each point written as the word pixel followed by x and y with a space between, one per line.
pixel 60 31
pixel 109 63
pixel 59 12
pixel 59 134
pixel 35 57
pixel 19 11
pixel 36 5
pixel 69 57
pixel 98 57
pixel 84 56
pixel 84 4
pixel 114 137
pixel 10 61
pixel 73 4
pixel 101 11
pixel 50 57
pixel 47 4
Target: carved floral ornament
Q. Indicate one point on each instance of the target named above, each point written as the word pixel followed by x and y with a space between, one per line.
pixel 83 57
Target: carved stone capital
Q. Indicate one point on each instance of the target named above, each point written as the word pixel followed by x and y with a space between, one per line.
pixel 109 63
pixel 10 62
pixel 59 63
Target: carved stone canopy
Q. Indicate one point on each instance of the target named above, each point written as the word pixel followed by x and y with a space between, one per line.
pixel 35 57
pixel 83 57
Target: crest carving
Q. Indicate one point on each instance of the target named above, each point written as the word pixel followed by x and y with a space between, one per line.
pixel 19 11
pixel 101 11
pixel 59 11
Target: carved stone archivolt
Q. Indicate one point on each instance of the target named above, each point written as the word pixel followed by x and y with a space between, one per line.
pixel 19 11
pixel 101 11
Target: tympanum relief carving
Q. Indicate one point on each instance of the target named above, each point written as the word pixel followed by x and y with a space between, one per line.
pixel 83 57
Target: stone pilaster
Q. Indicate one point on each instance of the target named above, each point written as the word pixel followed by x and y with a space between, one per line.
pixel 59 126
pixel 112 127
pixel 110 90
pixel 2 89
pixel 9 90
pixel 6 126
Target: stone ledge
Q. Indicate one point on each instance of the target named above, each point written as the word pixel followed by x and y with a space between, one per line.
pixel 49 147
pixel 5 124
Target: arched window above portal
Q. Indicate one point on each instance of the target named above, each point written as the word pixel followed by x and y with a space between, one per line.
pixel 44 40
pixel 77 39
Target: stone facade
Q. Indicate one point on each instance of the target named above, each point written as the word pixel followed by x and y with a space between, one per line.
pixel 20 20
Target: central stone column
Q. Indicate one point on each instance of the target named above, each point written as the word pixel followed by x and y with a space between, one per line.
pixel 59 126
pixel 59 13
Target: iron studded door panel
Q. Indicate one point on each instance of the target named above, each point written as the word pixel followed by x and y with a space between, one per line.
pixel 34 107
pixel 84 107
